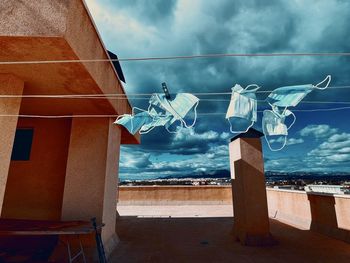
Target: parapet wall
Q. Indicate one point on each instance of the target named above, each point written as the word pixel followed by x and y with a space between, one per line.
pixel 323 213
pixel 174 195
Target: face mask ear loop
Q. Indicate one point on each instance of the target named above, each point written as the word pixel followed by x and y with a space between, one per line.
pixel 147 131
pixel 239 131
pixel 329 78
pixel 278 149
pixel 275 111
pixel 252 85
pixel 150 129
pixel 119 117
pixel 173 132
pixel 273 108
pixel 294 119
pixel 133 113
pixel 177 131
pixel 195 117
pixel 153 117
pixel 149 108
pixel 284 111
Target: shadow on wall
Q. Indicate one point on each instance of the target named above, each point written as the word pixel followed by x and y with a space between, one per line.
pixel 324 216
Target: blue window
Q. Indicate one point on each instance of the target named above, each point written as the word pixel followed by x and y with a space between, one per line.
pixel 22 145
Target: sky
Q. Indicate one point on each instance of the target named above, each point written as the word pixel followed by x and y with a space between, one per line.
pixel 318 141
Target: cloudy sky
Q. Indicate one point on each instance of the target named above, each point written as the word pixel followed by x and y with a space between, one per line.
pixel 319 141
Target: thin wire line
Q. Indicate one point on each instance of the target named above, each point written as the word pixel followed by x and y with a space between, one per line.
pixel 146 98
pixel 58 116
pixel 115 115
pixel 129 96
pixel 218 55
pixel 296 110
pixel 329 109
pixel 303 101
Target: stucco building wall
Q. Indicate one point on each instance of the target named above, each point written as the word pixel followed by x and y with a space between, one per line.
pixel 34 188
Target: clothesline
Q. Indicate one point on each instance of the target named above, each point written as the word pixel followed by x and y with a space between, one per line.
pixel 115 116
pixel 145 98
pixel 130 95
pixel 328 54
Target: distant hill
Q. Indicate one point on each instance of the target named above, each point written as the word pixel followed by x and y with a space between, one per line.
pixel 270 175
pixel 216 174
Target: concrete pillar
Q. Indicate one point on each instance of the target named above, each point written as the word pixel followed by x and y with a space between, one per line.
pixel 251 220
pixel 9 85
pixel 91 175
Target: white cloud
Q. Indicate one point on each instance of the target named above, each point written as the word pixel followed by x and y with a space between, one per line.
pixel 290 141
pixel 284 164
pixel 339 137
pixel 190 134
pixel 318 131
pixel 134 159
pixel 335 150
pixel 293 141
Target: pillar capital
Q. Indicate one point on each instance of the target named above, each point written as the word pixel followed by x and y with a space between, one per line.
pixel 251 133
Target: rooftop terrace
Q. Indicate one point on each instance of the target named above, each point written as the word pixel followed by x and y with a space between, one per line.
pixel 201 233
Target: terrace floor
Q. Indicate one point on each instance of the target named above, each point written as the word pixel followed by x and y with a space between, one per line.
pixel 148 234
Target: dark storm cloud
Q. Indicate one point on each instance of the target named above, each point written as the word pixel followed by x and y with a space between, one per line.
pixel 162 28
pixel 186 142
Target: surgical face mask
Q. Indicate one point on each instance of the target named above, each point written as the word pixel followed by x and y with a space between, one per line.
pixel 133 123
pixel 161 112
pixel 290 96
pixel 177 108
pixel 280 99
pixel 242 110
pixel 273 125
pixel 157 121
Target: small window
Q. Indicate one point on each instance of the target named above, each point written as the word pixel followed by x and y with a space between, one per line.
pixel 22 145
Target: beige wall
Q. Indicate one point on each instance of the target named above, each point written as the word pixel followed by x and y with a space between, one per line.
pixel 327 214
pixel 160 195
pixel 324 213
pixel 34 188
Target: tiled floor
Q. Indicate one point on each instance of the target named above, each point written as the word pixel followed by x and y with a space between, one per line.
pixel 200 239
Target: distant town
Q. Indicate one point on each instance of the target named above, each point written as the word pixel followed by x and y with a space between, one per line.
pixel 336 183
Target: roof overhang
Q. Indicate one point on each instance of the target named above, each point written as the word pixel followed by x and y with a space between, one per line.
pixel 55 31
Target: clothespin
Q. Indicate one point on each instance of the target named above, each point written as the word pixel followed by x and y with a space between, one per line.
pixel 166 91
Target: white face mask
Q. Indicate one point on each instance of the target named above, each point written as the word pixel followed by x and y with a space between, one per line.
pixel 134 122
pixel 290 96
pixel 177 108
pixel 273 124
pixel 242 110
pixel 280 99
pixel 161 112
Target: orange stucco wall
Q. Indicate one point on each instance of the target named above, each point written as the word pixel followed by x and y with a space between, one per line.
pixel 34 188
